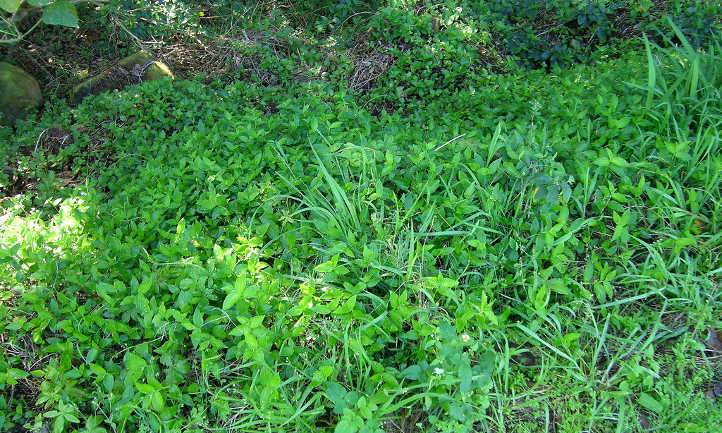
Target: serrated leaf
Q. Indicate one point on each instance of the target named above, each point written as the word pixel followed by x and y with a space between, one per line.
pixel 145 286
pixel 61 13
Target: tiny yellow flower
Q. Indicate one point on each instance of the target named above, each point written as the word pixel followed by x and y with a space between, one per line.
pixel 465 338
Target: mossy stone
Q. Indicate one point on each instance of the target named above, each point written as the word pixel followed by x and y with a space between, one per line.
pixel 138 67
pixel 19 91
pixel 157 71
pixel 140 58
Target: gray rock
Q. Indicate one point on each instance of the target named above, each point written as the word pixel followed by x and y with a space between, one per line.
pixel 19 91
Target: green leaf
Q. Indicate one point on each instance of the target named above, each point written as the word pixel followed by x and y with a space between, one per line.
pixel 39 3
pixel 71 418
pixel 135 362
pixel 336 393
pixel 457 411
pixel 321 375
pixel 347 306
pixel 328 266
pixel 157 401
pixel 145 388
pixel 650 403
pixel 651 73
pixel 255 321
pixel 621 221
pixel 619 161
pixel 465 375
pixel 10 6
pixel 487 362
pixel 145 286
pixel 16 373
pixel 93 425
pixel 350 423
pixel 232 298
pixel 61 13
pixel 59 425
pixel 108 382
pixel 412 372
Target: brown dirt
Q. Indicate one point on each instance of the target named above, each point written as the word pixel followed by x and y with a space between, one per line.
pixel 51 141
pixel 28 388
pixel 407 421
pixel 368 65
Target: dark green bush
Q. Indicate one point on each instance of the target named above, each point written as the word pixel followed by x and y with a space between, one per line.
pixel 543 33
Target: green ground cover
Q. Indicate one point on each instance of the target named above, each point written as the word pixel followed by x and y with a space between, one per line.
pixel 532 251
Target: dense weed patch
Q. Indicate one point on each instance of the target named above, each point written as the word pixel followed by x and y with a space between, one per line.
pixel 521 252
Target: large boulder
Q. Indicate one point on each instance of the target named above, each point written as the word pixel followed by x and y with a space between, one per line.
pixel 18 92
pixel 139 67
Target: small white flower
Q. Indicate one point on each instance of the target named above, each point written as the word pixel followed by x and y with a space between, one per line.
pixel 438 371
pixel 465 338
